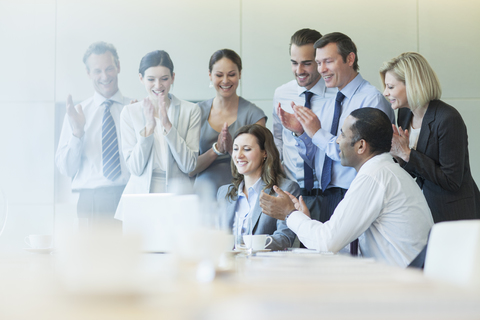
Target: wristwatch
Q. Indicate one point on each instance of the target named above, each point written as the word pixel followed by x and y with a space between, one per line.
pixel 214 148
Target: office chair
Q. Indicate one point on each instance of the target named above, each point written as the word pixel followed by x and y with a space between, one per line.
pixel 453 253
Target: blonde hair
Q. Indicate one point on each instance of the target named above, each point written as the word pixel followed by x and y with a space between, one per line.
pixel 415 72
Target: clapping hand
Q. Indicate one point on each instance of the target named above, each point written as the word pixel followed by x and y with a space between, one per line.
pixel 299 204
pixel 75 117
pixel 149 113
pixel 163 104
pixel 276 207
pixel 289 120
pixel 308 119
pixel 227 141
pixel 400 144
pixel 224 140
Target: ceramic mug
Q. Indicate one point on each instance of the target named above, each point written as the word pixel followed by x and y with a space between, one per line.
pixel 257 241
pixel 39 241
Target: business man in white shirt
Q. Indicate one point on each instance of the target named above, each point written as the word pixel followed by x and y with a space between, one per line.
pixel 384 208
pixel 307 89
pixel 90 144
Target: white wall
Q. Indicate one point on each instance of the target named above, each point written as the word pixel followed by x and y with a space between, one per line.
pixel 43 43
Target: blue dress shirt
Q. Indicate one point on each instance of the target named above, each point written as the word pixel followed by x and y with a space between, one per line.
pixel 358 93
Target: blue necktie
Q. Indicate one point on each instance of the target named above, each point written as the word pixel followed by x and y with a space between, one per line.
pixel 327 164
pixel 110 154
pixel 307 170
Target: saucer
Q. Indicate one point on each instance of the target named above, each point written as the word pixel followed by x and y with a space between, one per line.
pixel 262 250
pixel 235 251
pixel 43 250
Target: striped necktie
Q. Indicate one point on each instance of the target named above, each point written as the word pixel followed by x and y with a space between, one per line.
pixel 110 154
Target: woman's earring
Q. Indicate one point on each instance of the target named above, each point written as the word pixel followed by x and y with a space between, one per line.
pixel 265 159
pixel 211 85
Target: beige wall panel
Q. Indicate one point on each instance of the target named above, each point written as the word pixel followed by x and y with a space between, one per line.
pixel 450 40
pixel 27 35
pixel 267 107
pixel 469 109
pixel 190 31
pixel 268 25
pixel 28 163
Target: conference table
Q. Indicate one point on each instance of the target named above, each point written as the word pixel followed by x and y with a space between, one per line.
pixel 297 284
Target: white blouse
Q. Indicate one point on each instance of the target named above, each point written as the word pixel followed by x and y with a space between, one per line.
pixel 414 133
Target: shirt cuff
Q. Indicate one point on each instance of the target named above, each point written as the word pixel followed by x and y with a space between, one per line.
pixel 295 219
pixel 75 141
pixel 321 138
pixel 303 137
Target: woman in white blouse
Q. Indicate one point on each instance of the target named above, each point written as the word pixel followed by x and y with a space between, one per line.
pixel 160 134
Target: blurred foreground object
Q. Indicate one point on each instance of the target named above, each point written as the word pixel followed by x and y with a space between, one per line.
pixel 453 253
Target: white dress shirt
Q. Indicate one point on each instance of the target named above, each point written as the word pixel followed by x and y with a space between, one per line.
pixel 284 139
pixel 384 208
pixel 81 158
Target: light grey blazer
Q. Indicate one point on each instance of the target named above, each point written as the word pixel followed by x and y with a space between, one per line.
pixel 282 236
pixel 182 140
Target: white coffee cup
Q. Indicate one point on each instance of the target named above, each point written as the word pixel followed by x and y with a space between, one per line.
pixel 257 241
pixel 39 241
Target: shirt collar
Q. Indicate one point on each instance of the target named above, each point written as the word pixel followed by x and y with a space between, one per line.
pixel 352 86
pixel 318 89
pixel 99 99
pixel 256 188
pixel 373 162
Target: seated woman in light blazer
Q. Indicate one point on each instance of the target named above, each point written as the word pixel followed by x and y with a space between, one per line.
pixel 160 134
pixel 431 142
pixel 256 167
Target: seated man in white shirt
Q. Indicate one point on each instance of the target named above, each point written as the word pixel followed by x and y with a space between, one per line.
pixel 383 207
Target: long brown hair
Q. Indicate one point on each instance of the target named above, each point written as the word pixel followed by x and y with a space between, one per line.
pixel 272 172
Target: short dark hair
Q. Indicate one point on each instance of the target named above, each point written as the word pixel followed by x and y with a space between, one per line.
pixel 154 59
pixel 100 47
pixel 303 37
pixel 345 46
pixel 373 126
pixel 225 53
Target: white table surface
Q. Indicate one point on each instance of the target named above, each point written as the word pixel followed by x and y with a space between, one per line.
pixel 277 285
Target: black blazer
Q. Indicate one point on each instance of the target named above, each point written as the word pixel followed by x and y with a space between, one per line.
pixel 441 164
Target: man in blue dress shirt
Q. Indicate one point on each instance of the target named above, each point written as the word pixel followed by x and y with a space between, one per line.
pixel 316 132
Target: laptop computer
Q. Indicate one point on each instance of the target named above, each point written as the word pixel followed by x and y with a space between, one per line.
pixel 158 218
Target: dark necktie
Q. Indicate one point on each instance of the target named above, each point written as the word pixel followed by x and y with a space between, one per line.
pixel 327 164
pixel 110 154
pixel 307 170
pixel 354 247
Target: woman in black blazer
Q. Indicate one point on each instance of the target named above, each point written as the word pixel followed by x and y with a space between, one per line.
pixel 431 141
